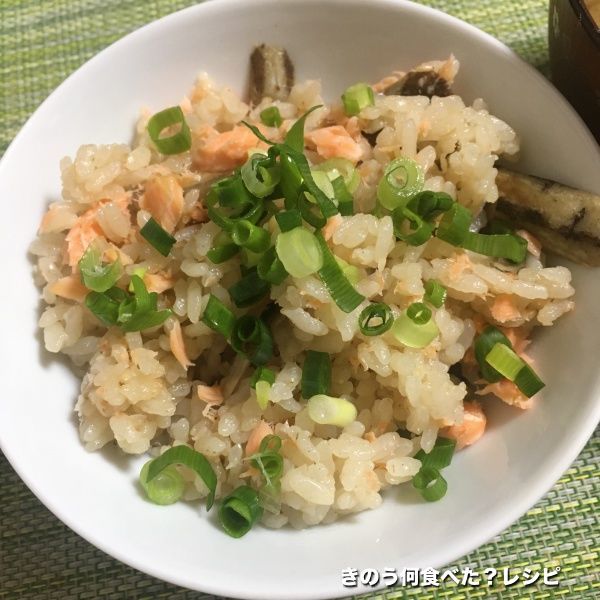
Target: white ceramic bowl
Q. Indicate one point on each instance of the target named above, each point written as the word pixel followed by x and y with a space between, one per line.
pixel 490 484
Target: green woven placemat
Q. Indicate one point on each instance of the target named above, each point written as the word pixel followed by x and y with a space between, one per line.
pixel 41 42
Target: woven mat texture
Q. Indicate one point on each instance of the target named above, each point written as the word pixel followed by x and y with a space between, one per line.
pixel 43 41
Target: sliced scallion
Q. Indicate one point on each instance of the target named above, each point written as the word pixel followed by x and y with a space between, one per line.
pixel 96 276
pixel 316 374
pixel 328 410
pixel 402 179
pixel 262 374
pixel 260 175
pixel 430 483
pixel 220 254
pixel 288 219
pixel 357 97
pixel 528 382
pixel 176 143
pixel 270 268
pixel 504 360
pixel 351 272
pixel 250 236
pixel 336 167
pixel 166 488
pixel 414 334
pixel 375 319
pixel 271 117
pixel 295 136
pixel 299 251
pixel 251 338
pixel 482 347
pixel 184 455
pixel 157 237
pixel 419 230
pixel 435 293
pixel 454 225
pixel 239 511
pixel 218 317
pixel 343 196
pixel 263 390
pixel 341 290
pixel 249 290
pixel 510 247
pixel 440 455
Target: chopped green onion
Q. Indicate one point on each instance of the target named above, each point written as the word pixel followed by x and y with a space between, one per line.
pixel 323 182
pixel 263 390
pixel 310 211
pixel 435 293
pixel 218 317
pixel 528 382
pixel 414 334
pixel 379 312
pixel 504 360
pixel 342 292
pixel 252 237
pixel 429 480
pixel 166 488
pixel 268 459
pixel 260 175
pixel 239 511
pixel 326 205
pixel 295 136
pixel 327 410
pixel 104 306
pixel 343 196
pixel 440 456
pixel 251 337
pixel 262 374
pixel 140 311
pixel 336 167
pixel 249 289
pixel 184 455
pixel 220 254
pixel 316 374
pixel 482 347
pixel 357 97
pixel 271 117
pixel 510 247
pixel 418 313
pixel 94 275
pixel 402 179
pixel 430 483
pixel 420 231
pixel 299 251
pixel 232 193
pixel 509 364
pixel 270 268
pixel 235 203
pixel 351 272
pixel 141 273
pixel 291 181
pixel 288 220
pixel 258 133
pixel 454 225
pixel 176 143
pixel 428 204
pixel 157 237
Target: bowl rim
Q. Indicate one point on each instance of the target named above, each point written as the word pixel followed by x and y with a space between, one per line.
pixel 588 23
pixel 518 508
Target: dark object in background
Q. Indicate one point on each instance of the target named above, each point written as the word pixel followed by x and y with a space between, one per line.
pixel 574 41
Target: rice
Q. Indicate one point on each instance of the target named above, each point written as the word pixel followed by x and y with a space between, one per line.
pixel 136 394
